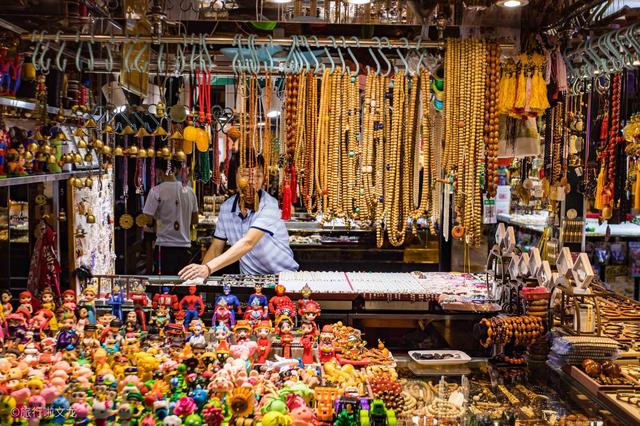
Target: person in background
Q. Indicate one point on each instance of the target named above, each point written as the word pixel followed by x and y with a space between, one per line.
pixel 253 228
pixel 174 208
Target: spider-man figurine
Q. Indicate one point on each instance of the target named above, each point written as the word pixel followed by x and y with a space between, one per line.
pixel 195 305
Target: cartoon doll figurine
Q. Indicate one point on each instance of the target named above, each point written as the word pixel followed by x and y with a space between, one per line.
pixel 284 327
pixel 306 294
pixel 25 301
pixel 307 341
pixel 232 301
pixel 89 300
pixel 116 299
pixel 263 332
pixel 6 302
pixel 221 333
pixel 170 301
pixel 222 314
pixel 326 350
pixel 260 298
pixel 160 318
pixel 48 302
pixel 194 305
pixel 288 309
pixel 254 313
pixel 279 299
pixel 242 331
pixel 67 337
pixel 69 300
pixel 197 339
pixel 309 312
pixel 140 301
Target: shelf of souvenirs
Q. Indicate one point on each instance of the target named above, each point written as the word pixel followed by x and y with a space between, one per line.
pixel 537 222
pixel 415 290
pixel 30 105
pixel 45 177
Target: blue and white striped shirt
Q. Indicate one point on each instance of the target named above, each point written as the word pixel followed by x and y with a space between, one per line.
pixel 272 254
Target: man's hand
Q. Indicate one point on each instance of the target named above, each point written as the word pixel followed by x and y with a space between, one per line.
pixel 194 271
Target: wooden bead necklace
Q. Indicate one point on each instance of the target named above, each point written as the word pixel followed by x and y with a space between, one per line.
pixel 491 119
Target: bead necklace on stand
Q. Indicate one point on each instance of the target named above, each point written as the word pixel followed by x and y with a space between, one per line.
pixel 309 168
pixel 288 182
pixel 322 144
pixel 266 132
pixel 491 118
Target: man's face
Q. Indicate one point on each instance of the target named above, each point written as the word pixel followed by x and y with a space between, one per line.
pixel 254 175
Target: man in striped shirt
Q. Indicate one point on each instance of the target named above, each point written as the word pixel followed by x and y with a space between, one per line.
pixel 257 235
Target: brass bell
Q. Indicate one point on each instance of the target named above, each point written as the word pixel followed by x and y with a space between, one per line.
pixel 77 158
pixel 142 153
pixel 127 131
pixel 88 182
pixel 45 149
pixel 165 153
pixel 32 147
pixel 78 183
pixel 106 150
pixel 72 181
pixel 90 124
pixel 88 157
pixel 108 128
pixel 52 159
pixel 82 144
pixel 98 144
pixel 180 155
pixel 133 151
pixel 78 133
pixel 160 109
pixel 151 153
pixel 176 136
pixel 141 133
pixel 118 151
pixel 28 156
pixel 159 131
pixel 38 136
pixel 91 218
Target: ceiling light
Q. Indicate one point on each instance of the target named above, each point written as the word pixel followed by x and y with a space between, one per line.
pixel 512 3
pixel 358 2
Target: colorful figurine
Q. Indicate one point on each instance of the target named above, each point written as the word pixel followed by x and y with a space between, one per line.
pixel 194 305
pixel 278 299
pixel 48 302
pixel 284 328
pixel 254 313
pixel 197 339
pixel 140 301
pixel 222 333
pixel 67 338
pixel 25 299
pixel 116 299
pixel 222 314
pixel 89 300
pixel 307 341
pixel 169 301
pixel 326 350
pixel 263 333
pixel 259 299
pixel 69 300
pixel 309 312
pixel 160 317
pixel 6 302
pixel 232 301
pixel 242 331
pixel 305 292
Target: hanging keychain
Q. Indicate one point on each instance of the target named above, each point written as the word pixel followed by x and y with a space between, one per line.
pixel 126 220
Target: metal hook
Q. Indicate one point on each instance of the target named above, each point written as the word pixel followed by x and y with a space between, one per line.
pixel 269 52
pixel 307 64
pixel 91 62
pixel 34 57
pixel 616 61
pixel 193 55
pixel 44 68
pixel 159 61
pixel 237 40
pixel 321 65
pixel 382 54
pixel 61 66
pixel 305 43
pixel 628 61
pixel 291 57
pixel 404 61
pixel 631 38
pixel 109 61
pixel 78 52
pixel 254 64
pixel 353 58
pixel 180 57
pixel 345 67
pixel 375 59
pixel 203 42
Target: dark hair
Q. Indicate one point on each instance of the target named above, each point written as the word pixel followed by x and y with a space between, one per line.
pixel 162 164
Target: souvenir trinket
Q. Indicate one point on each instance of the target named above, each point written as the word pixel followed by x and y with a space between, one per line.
pixel 194 305
pixel 263 333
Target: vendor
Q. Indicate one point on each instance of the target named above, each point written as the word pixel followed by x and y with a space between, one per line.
pixel 257 234
pixel 175 209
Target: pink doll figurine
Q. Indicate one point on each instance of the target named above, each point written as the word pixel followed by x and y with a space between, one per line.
pixel 102 411
pixel 36 407
pixel 69 300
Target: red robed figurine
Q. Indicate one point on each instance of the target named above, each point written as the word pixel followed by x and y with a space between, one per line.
pixel 284 327
pixel 263 331
pixel 308 339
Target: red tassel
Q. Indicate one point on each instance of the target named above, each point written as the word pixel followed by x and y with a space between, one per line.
pixel 294 185
pixel 286 201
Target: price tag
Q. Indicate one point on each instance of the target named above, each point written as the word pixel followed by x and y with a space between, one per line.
pixel 489 213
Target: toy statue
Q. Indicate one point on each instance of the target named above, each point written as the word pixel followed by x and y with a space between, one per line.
pixel 197 339
pixel 25 299
pixel 140 301
pixel 309 312
pixel 69 300
pixel 278 299
pixel 221 333
pixel 232 301
pixel 254 313
pixel 222 314
pixel 242 331
pixel 170 301
pixel 7 306
pixel 306 294
pixel 67 337
pixel 284 327
pixel 263 332
pixel 48 302
pixel 326 350
pixel 288 309
pixel 259 299
pixel 307 341
pixel 89 300
pixel 116 299
pixel 194 304
pixel 160 317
